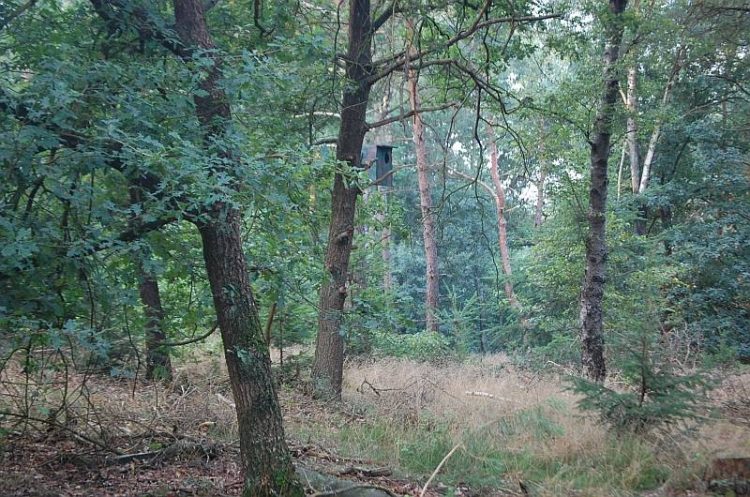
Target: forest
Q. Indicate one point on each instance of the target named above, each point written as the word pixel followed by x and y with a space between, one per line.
pixel 374 248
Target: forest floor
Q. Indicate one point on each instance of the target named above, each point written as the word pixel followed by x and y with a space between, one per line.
pixel 508 432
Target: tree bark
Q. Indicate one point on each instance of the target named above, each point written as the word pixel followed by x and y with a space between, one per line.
pixel 502 223
pixel 265 456
pixel 592 294
pixel 329 346
pixel 432 272
pixel 656 134
pixel 632 130
pixel 384 135
pixel 539 211
pixel 266 462
pixel 158 363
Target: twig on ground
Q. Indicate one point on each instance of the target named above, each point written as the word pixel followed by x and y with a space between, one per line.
pixel 439 467
pixel 73 433
pixel 377 390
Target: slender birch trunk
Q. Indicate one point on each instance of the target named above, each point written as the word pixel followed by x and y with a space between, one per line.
pixel 656 134
pixel 502 223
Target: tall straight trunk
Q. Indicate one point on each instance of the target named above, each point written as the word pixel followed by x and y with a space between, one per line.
pixel 158 363
pixel 266 461
pixel 632 130
pixel 385 252
pixel 640 185
pixel 619 169
pixel 631 104
pixel 432 275
pixel 329 346
pixel 592 294
pixel 384 136
pixel 502 223
pixel 539 208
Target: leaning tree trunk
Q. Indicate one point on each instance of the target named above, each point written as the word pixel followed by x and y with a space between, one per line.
pixel 592 295
pixel 265 457
pixel 266 461
pixel 158 363
pixel 329 347
pixel 502 223
pixel 425 202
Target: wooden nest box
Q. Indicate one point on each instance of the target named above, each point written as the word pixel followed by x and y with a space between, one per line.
pixel 378 161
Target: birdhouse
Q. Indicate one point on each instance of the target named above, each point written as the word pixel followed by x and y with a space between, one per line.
pixel 378 160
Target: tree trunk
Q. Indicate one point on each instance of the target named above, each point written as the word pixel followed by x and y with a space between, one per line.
pixel 632 132
pixel 539 209
pixel 655 135
pixel 592 294
pixel 425 202
pixel 158 363
pixel 265 457
pixel 266 462
pixel 631 104
pixel 329 346
pixel 502 223
pixel 383 135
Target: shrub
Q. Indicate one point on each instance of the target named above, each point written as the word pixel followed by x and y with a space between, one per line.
pixel 656 396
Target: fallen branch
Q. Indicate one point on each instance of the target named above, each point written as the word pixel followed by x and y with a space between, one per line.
pixel 439 467
pixel 370 473
pixel 173 451
pixel 52 423
pixel 342 491
pixel 487 395
pixel 333 487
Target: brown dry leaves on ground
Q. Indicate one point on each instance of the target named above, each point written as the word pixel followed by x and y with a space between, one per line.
pixel 151 440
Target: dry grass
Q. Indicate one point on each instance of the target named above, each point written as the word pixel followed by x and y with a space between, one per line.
pixel 514 426
pixel 511 425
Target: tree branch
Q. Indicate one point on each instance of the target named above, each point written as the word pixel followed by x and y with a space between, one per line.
pixel 397 60
pixel 191 340
pixel 409 114
pixel 473 179
pixel 391 9
pixel 142 20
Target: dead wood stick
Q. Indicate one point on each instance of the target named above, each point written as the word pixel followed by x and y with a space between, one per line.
pixel 487 395
pixel 225 400
pixel 374 472
pixel 341 491
pixel 439 467
pixel 126 458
